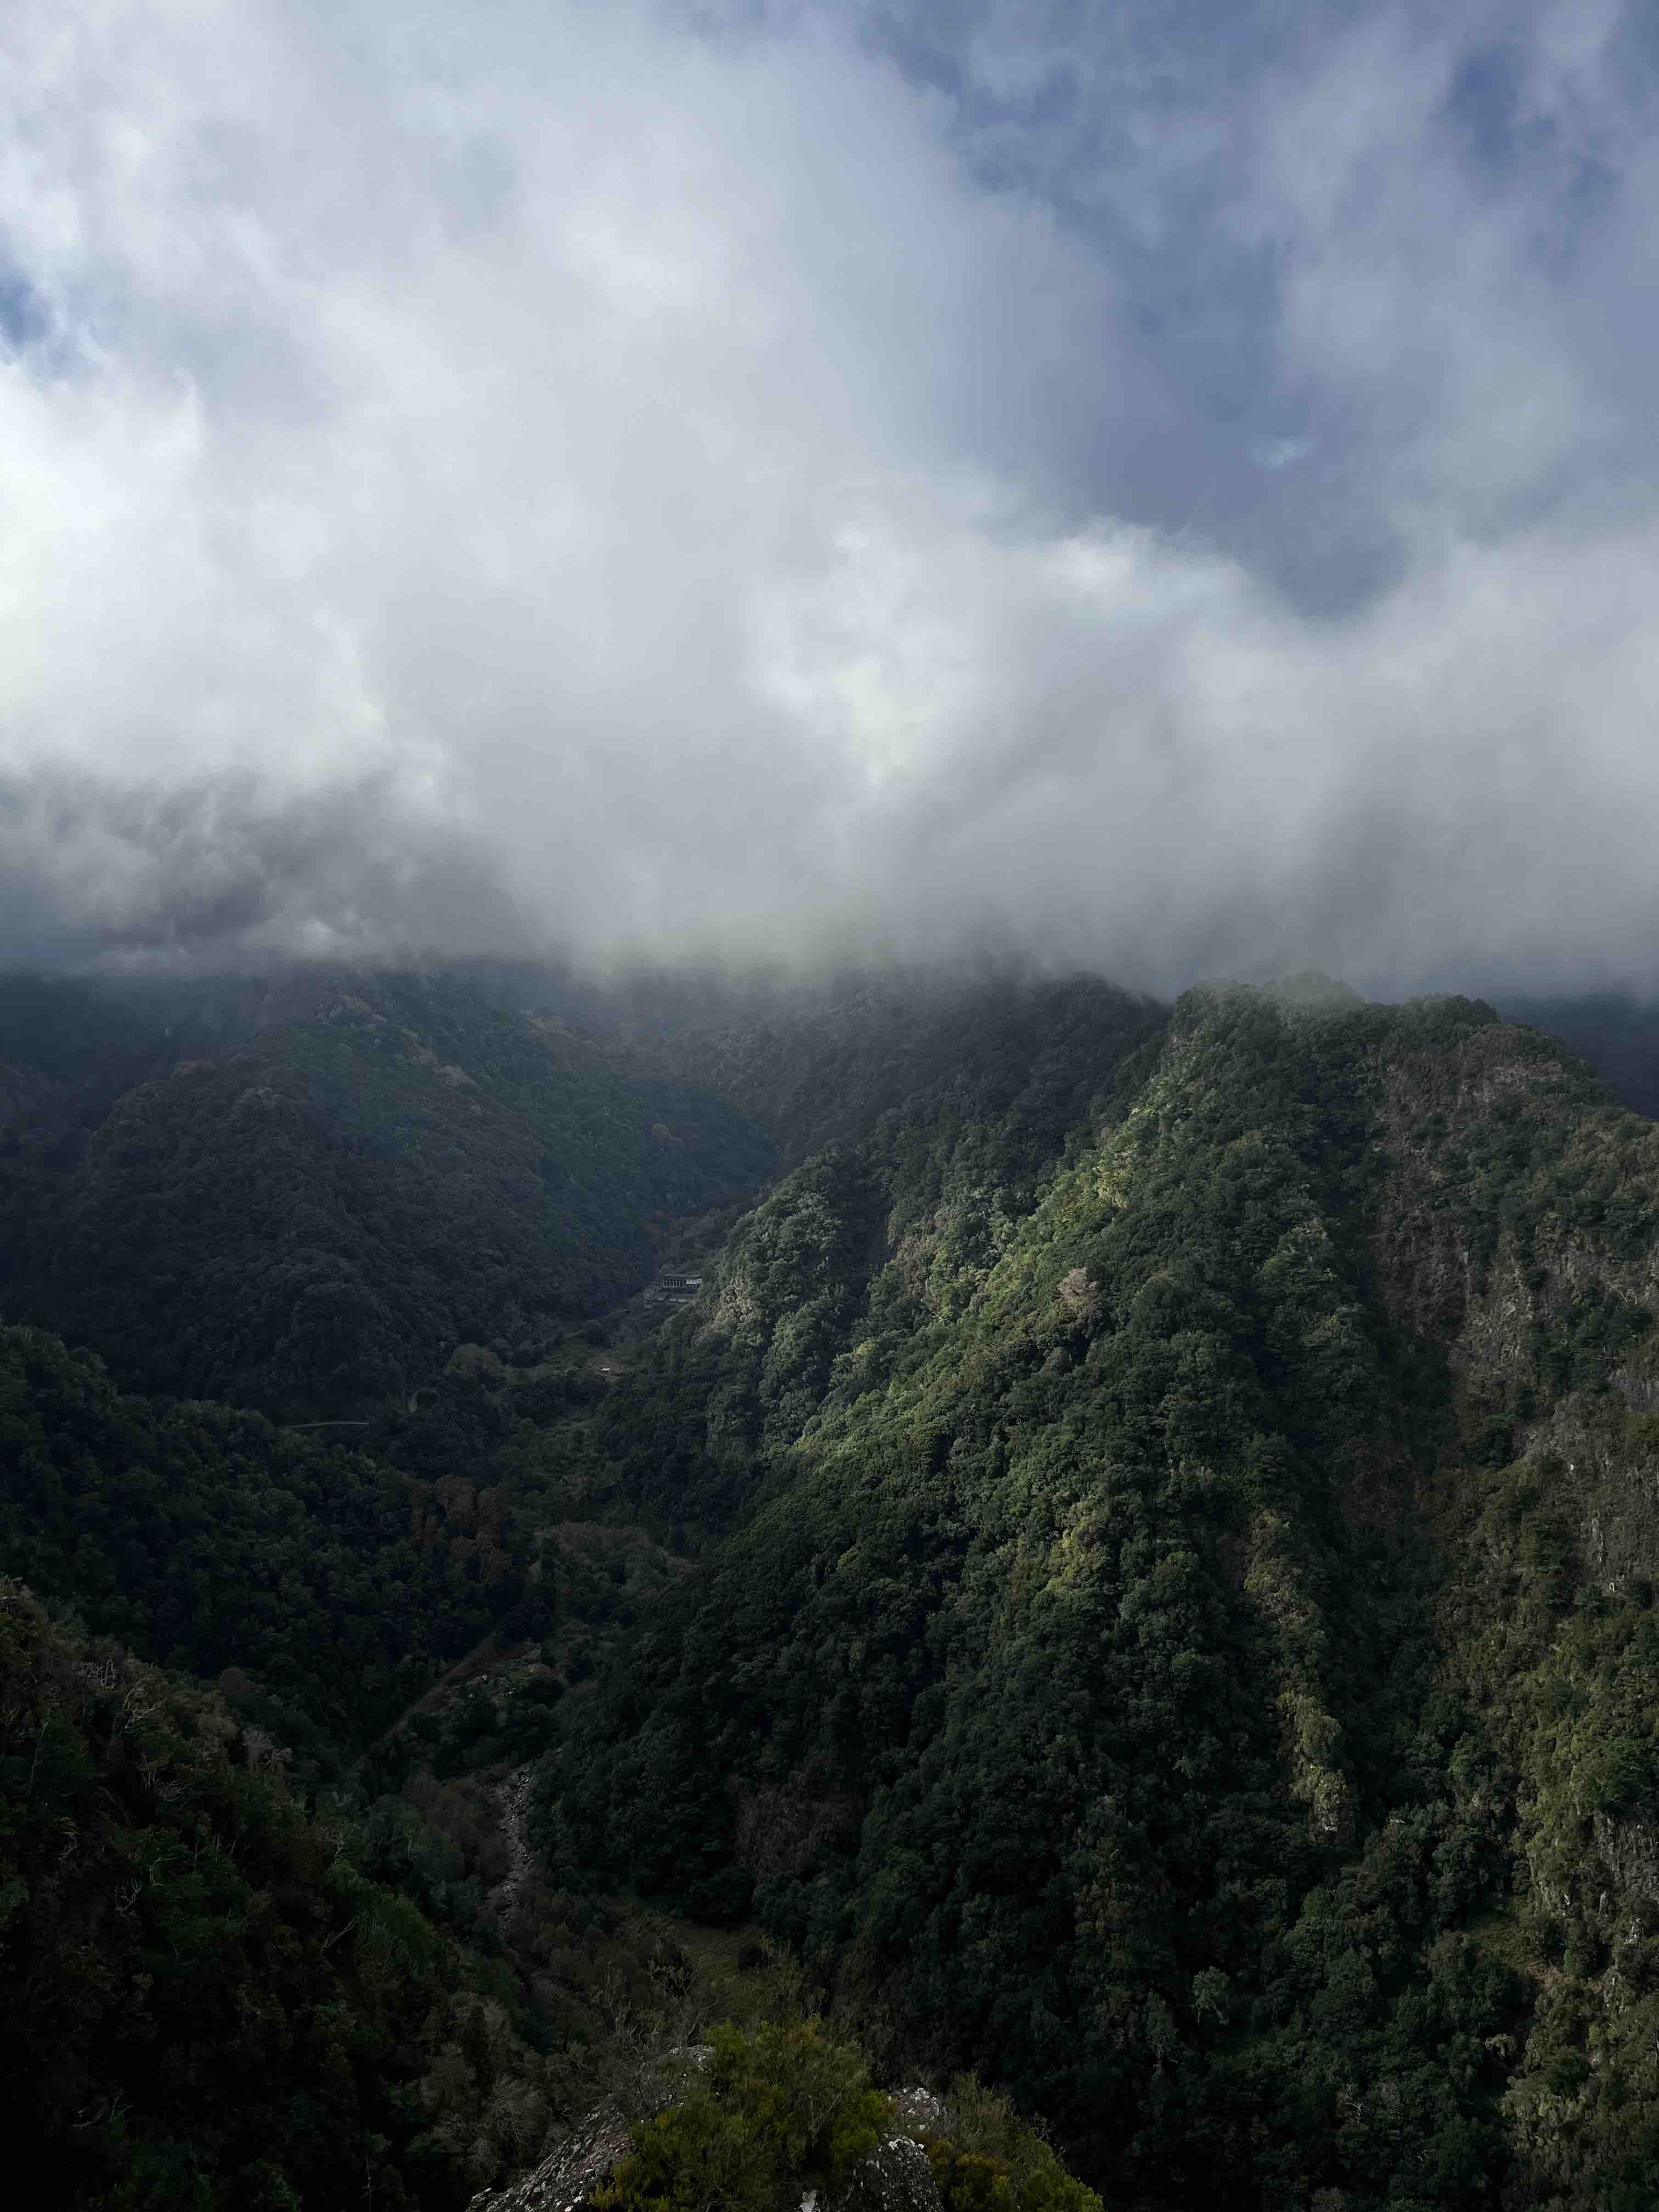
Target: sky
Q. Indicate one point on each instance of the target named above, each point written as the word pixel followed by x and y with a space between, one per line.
pixel 1171 489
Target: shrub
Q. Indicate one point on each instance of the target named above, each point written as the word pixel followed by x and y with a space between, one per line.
pixel 774 2114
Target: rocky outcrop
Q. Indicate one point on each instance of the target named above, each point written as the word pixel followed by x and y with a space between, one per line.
pixel 567 2178
pixel 569 2175
pixel 895 2177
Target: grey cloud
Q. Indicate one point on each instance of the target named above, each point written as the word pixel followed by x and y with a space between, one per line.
pixel 636 476
pixel 1373 230
pixel 220 871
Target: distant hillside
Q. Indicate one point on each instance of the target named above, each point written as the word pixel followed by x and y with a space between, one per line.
pixel 823 1065
pixel 302 1195
pixel 818 1061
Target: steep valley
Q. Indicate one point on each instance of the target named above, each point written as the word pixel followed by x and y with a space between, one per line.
pixel 1130 1577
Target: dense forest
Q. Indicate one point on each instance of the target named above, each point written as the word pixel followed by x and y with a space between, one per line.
pixel 1179 1642
pixel 1124 1582
pixel 364 1175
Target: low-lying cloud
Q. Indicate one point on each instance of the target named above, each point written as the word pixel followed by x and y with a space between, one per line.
pixel 786 483
pixel 199 874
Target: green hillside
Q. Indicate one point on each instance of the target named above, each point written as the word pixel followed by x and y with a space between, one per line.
pixel 1133 1577
pixel 817 1063
pixel 1189 1650
pixel 211 1998
pixel 357 1181
pixel 330 1586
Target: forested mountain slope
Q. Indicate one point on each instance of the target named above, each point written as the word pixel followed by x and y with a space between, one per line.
pixel 822 1063
pixel 365 1173
pixel 1189 1647
pixel 1135 1572
pixel 935 1189
pixel 213 1997
pixel 331 1586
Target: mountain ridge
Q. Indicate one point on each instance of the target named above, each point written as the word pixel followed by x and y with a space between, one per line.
pixel 1268 1558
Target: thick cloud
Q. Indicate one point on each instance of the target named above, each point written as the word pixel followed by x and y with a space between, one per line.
pixel 784 483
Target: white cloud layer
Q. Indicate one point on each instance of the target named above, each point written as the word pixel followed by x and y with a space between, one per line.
pixel 565 463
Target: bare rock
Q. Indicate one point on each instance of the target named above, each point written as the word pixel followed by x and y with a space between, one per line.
pixel 896 2177
pixel 568 2177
